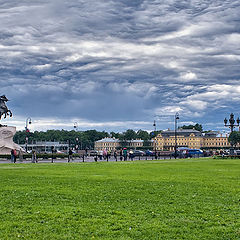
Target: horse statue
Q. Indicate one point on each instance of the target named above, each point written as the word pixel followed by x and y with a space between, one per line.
pixel 3 107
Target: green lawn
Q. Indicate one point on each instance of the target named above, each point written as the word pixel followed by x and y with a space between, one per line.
pixel 165 199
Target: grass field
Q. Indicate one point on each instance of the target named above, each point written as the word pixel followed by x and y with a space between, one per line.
pixel 174 199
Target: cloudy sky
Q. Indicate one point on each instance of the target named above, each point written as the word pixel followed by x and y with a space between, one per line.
pixel 113 65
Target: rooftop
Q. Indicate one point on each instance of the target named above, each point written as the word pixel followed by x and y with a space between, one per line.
pixel 215 134
pixel 108 140
pixel 184 132
pixel 117 140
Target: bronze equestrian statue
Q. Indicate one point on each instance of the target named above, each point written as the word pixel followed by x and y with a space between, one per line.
pixel 3 107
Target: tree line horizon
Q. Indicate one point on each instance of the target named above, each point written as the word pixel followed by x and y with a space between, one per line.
pixel 86 139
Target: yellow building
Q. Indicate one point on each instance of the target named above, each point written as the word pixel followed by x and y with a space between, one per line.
pixel 107 143
pixel 185 138
pixel 190 138
pixel 213 140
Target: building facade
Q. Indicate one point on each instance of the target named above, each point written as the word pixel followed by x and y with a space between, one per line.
pixel 165 141
pixel 213 140
pixel 45 146
pixel 190 138
pixel 107 143
pixel 112 144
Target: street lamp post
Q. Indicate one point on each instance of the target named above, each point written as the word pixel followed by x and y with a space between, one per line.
pixel 176 118
pixel 28 121
pixel 26 142
pixel 69 144
pixel 76 146
pixel 75 126
pixel 231 125
pixel 155 145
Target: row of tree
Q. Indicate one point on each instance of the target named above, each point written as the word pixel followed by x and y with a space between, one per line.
pixel 197 127
pixel 86 139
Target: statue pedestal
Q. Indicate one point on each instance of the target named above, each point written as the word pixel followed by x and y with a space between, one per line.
pixel 6 140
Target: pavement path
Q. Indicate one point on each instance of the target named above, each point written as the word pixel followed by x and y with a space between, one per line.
pixel 79 160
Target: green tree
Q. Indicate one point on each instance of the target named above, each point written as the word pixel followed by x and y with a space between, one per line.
pixel 147 144
pixel 85 139
pixel 126 137
pixel 197 127
pixel 234 138
pixel 115 135
pixel 129 134
pixel 144 135
pixel 153 134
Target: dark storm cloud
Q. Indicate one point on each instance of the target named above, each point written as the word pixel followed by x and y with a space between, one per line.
pixel 120 60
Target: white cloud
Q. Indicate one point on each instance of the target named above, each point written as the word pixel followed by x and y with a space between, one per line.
pixel 168 110
pixel 44 124
pixel 73 57
pixel 189 76
pixel 42 67
pixel 194 105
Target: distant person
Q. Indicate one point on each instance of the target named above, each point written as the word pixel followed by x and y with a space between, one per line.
pixel 108 155
pixel 121 154
pixel 34 157
pixel 131 155
pixel 53 151
pixel 125 154
pixel 104 154
pixel 12 155
pixel 115 155
pixel 100 154
pixel 70 155
pixel 20 155
pixel 95 158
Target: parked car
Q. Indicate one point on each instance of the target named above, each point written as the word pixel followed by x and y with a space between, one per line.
pixel 192 153
pixel 138 153
pixel 195 152
pixel 93 153
pixel 237 152
pixel 149 153
pixel 188 152
pixel 61 152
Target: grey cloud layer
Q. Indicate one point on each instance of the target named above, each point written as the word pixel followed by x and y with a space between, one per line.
pixel 120 60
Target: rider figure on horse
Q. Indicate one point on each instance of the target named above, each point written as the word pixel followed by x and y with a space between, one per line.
pixel 3 107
